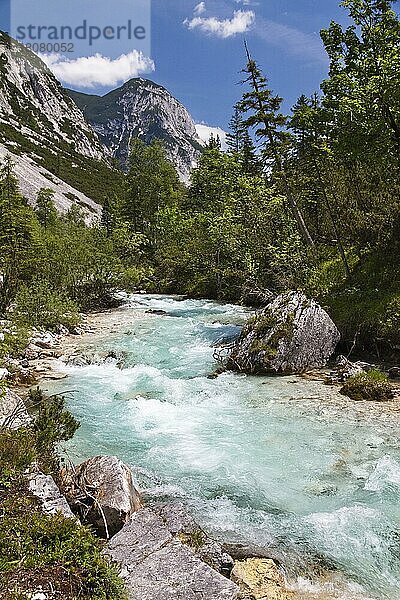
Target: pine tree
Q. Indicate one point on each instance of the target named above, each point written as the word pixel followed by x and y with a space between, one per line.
pixel 107 217
pixel 16 234
pixel 234 138
pixel 266 118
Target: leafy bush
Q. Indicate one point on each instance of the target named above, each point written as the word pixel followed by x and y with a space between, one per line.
pixel 38 305
pixel 17 452
pixel 15 340
pixel 389 324
pixel 373 386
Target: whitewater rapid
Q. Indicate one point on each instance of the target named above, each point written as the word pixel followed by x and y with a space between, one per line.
pixel 284 463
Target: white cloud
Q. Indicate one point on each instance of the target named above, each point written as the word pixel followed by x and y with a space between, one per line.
pixel 241 22
pixel 98 70
pixel 205 132
pixel 199 9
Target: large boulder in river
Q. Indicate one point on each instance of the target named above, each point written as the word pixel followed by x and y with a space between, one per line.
pixel 291 335
pixel 102 491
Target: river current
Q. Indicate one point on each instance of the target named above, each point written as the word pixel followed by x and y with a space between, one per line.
pixel 285 464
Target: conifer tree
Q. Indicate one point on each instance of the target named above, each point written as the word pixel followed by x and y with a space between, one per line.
pixel 234 137
pixel 263 110
pixel 16 234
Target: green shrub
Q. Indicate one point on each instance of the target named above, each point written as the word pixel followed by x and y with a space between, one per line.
pixel 15 341
pixel 17 452
pixel 389 324
pixel 53 424
pixel 373 386
pixel 38 305
pixel 33 543
pixel 37 549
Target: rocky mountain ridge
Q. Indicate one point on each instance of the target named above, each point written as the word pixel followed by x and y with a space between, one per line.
pixel 142 109
pixel 34 103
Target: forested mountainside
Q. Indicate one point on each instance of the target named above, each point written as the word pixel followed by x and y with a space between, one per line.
pixel 315 207
pixel 142 109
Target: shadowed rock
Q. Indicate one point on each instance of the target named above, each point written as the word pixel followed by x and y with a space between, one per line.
pixel 104 494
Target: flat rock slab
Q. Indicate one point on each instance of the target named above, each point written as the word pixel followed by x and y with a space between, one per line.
pixel 45 489
pixel 156 566
pixel 144 535
pixel 174 573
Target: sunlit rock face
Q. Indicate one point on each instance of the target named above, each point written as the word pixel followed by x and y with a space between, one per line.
pixel 33 102
pixel 142 109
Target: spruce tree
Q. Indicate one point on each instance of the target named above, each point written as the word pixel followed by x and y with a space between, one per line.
pixel 16 234
pixel 263 110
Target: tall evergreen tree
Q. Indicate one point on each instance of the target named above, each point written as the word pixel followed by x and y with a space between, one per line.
pixel 266 118
pixel 16 234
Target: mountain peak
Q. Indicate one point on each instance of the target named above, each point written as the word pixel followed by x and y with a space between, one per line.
pixel 143 109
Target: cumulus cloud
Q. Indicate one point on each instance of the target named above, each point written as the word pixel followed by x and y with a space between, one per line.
pixel 241 22
pixel 199 9
pixel 98 70
pixel 205 132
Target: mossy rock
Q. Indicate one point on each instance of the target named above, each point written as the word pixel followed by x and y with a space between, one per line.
pixel 372 386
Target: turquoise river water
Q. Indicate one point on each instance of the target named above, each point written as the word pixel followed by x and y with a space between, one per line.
pixel 284 463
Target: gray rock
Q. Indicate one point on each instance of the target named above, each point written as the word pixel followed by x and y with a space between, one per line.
pixel 13 413
pixel 175 573
pixel 105 494
pixel 4 373
pixel 180 523
pixel 45 340
pixel 142 536
pixel 291 335
pixel 157 566
pixel 52 501
pixel 344 369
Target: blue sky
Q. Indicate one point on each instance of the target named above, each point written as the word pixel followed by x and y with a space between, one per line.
pixel 203 70
pixel 196 47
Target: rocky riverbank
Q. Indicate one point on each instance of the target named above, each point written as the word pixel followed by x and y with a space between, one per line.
pixel 84 347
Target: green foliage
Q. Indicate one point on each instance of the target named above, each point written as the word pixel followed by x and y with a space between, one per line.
pixel 41 306
pixel 373 386
pixel 17 452
pixel 53 424
pixel 194 539
pixel 15 341
pixel 45 209
pixel 37 549
pixel 33 543
pixel 152 184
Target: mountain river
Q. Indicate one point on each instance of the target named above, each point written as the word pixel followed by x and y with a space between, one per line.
pixel 286 464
